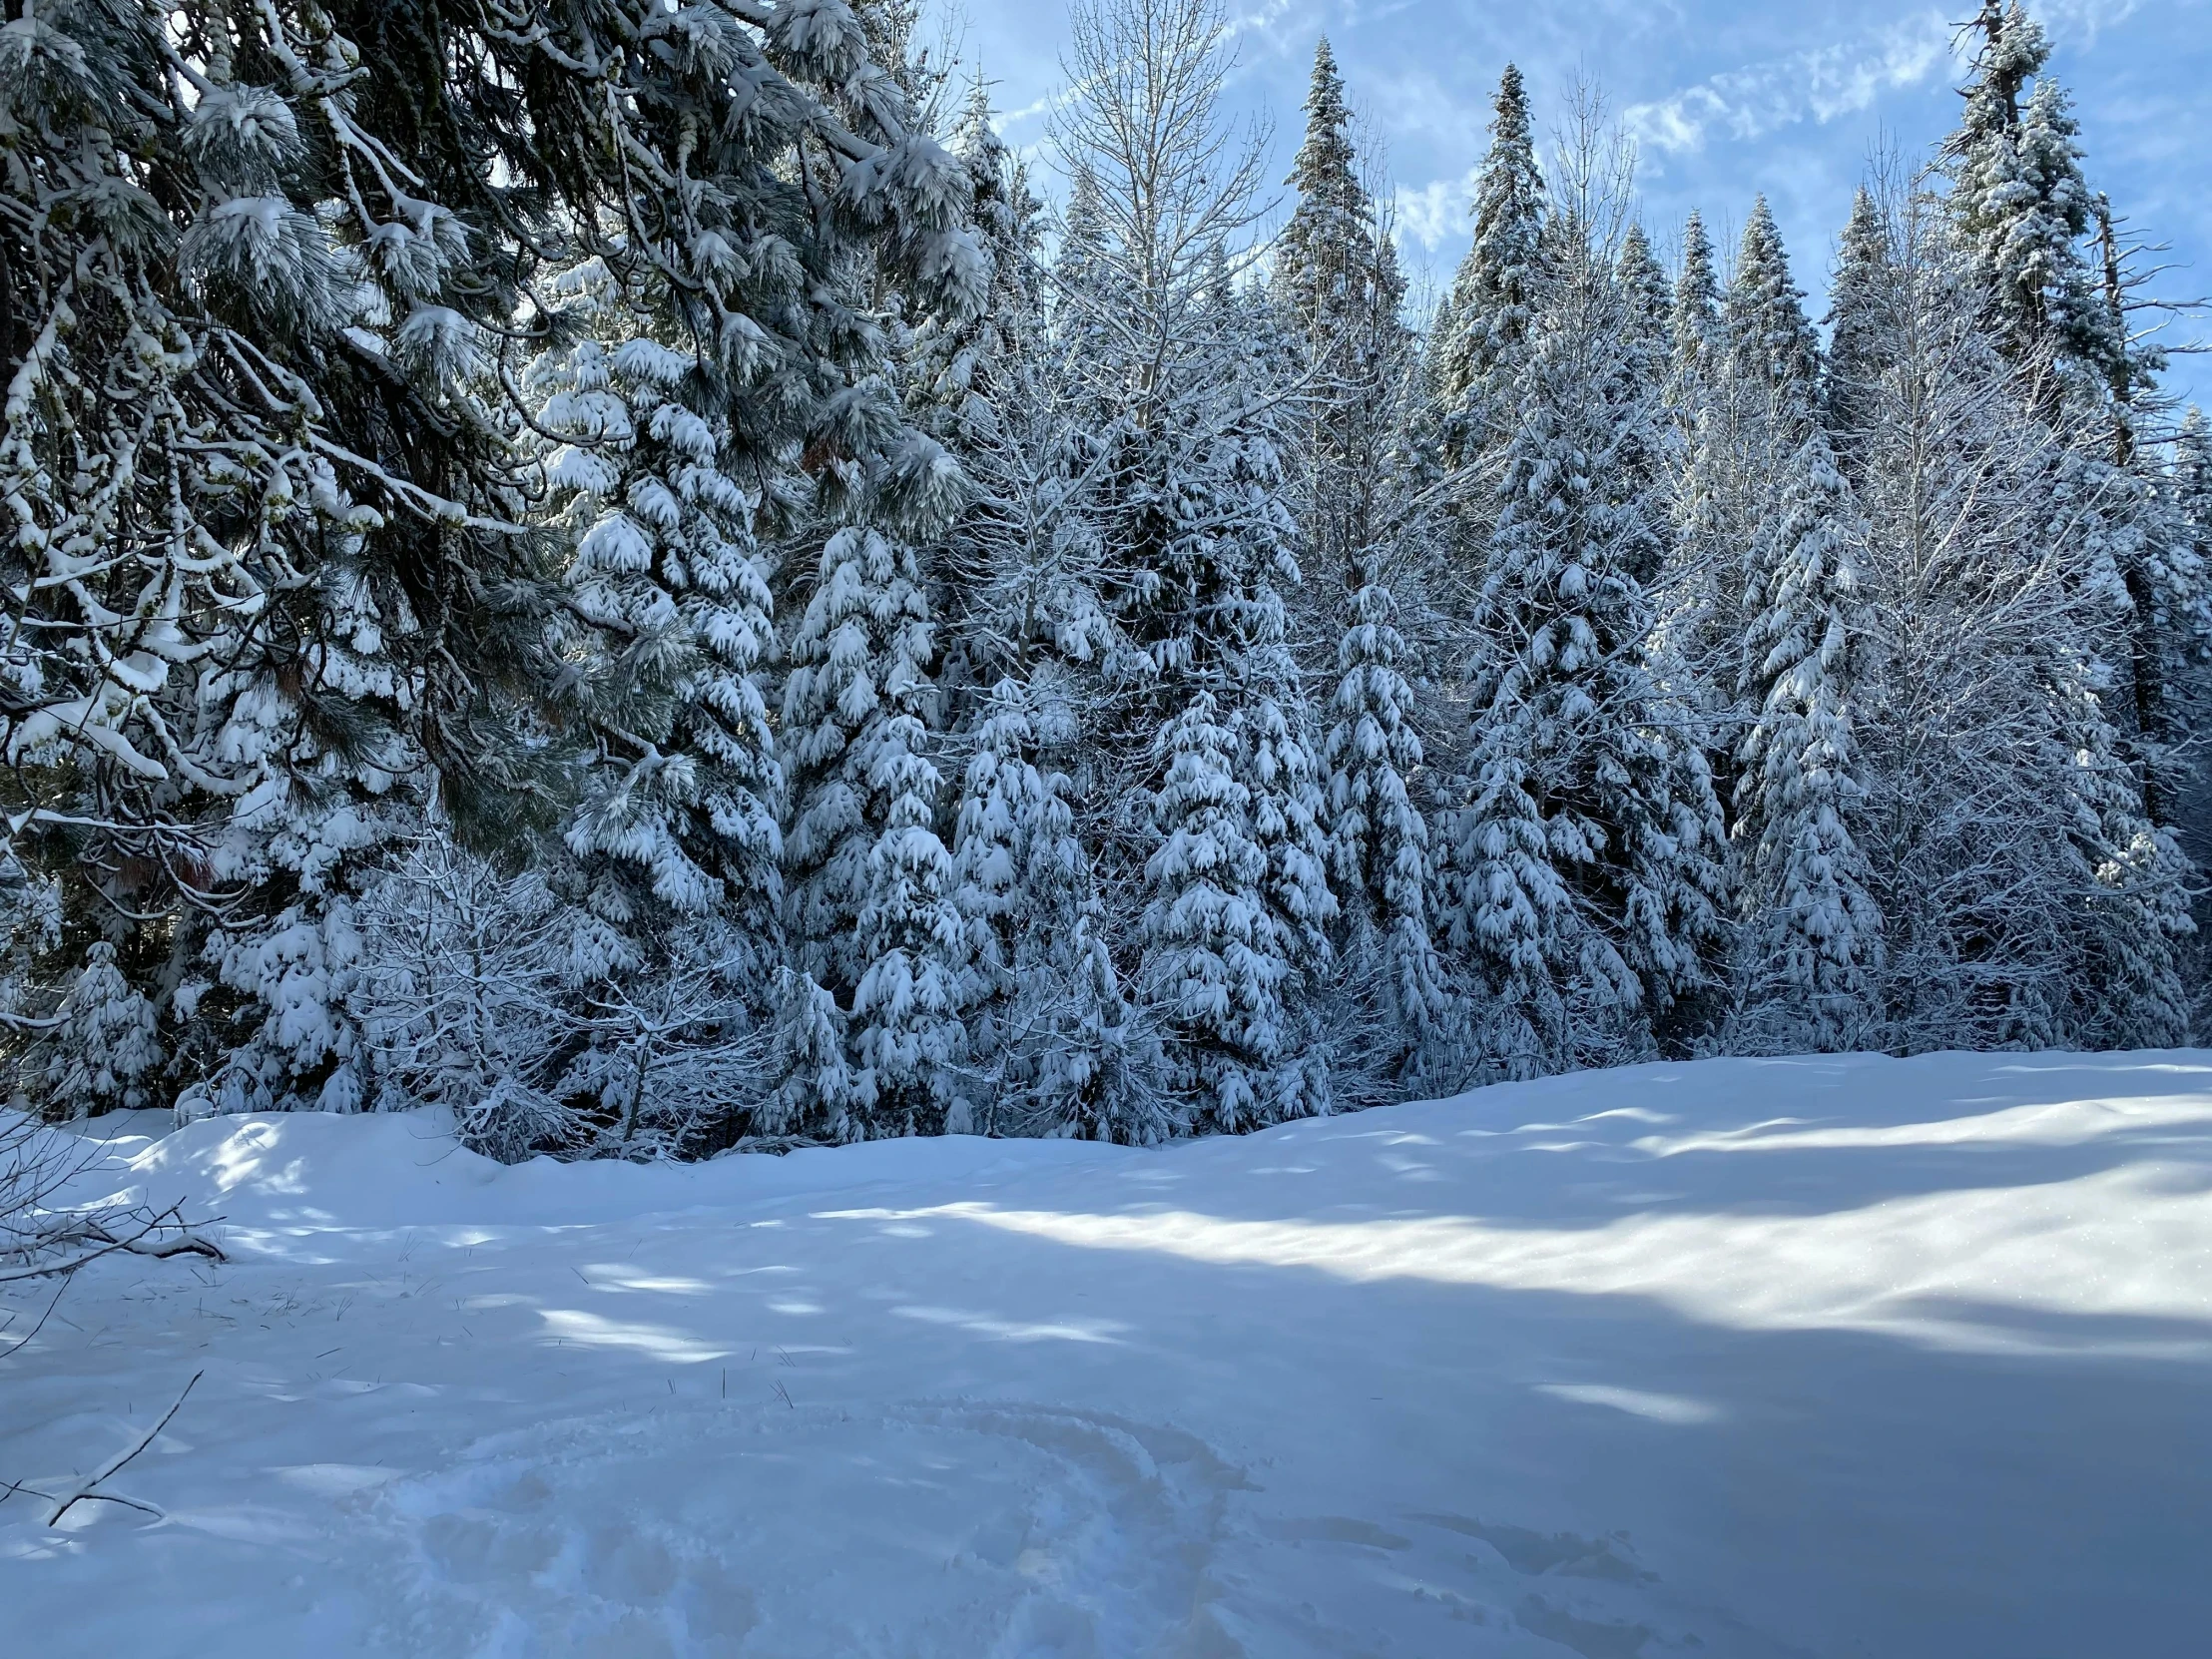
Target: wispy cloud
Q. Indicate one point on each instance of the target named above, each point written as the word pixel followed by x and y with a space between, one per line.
pixel 1818 84
pixel 1260 19
pixel 1436 213
pixel 2082 19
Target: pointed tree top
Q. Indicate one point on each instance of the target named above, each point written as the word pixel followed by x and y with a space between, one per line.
pixel 1697 294
pixel 1862 254
pixel 1512 99
pixel 1496 293
pixel 1509 194
pixel 1326 265
pixel 1768 333
pixel 1325 97
pixel 1324 158
pixel 972 134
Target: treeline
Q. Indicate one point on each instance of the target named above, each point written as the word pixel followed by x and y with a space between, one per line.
pixel 612 566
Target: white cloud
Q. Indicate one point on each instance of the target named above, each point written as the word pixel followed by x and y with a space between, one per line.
pixel 1260 19
pixel 2082 19
pixel 1818 84
pixel 1438 212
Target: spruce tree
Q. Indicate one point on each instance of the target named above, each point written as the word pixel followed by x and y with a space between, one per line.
pixel 1697 307
pixel 1858 327
pixel 1379 854
pixel 1772 351
pixel 1325 257
pixel 1235 775
pixel 2020 203
pixel 1052 1034
pixel 871 885
pixel 1583 863
pixel 1811 934
pixel 1222 819
pixel 1218 956
pixel 2187 579
pixel 958 360
pixel 679 819
pixel 1745 414
pixel 1336 289
pixel 1499 285
pixel 1648 455
pixel 1650 301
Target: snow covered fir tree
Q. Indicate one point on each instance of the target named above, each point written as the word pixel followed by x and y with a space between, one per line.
pixel 640 574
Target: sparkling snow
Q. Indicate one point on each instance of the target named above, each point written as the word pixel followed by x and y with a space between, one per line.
pixel 1785 1357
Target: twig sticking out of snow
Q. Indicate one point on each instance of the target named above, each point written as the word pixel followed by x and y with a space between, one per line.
pixel 88 1491
pixel 23 1342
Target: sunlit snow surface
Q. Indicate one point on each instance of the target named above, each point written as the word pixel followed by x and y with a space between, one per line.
pixel 1803 1357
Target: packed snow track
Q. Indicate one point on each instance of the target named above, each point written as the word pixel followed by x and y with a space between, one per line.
pixel 1743 1359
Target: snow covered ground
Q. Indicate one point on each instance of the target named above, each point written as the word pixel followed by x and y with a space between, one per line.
pixel 1807 1357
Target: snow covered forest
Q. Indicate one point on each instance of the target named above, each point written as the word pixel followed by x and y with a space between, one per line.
pixel 628 569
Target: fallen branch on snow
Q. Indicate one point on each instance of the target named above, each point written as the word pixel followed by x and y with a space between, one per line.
pixel 134 1231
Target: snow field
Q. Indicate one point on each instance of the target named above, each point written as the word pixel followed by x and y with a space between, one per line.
pixel 1828 1357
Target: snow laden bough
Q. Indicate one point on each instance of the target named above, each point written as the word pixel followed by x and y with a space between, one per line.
pixel 280 596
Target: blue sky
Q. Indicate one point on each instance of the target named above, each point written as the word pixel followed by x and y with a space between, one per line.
pixel 1726 98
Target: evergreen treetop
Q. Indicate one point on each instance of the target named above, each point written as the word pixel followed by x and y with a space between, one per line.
pixel 1770 341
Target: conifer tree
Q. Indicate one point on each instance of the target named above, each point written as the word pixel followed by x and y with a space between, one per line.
pixel 1703 484
pixel 1214 532
pixel 1218 956
pixel 1859 327
pixel 1811 937
pixel 321 296
pixel 1697 306
pixel 1052 1031
pixel 1772 351
pixel 1325 257
pixel 1336 290
pixel 870 902
pixel 1498 287
pixel 106 1045
pixel 1233 935
pixel 1648 456
pixel 249 477
pixel 2020 203
pixel 1746 412
pixel 680 822
pixel 958 360
pixel 1379 854
pixel 2187 583
pixel 1650 301
pixel 1582 867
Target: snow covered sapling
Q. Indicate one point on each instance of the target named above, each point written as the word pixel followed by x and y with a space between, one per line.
pixel 1380 855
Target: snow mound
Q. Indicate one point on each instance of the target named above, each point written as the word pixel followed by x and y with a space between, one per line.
pixel 308 1171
